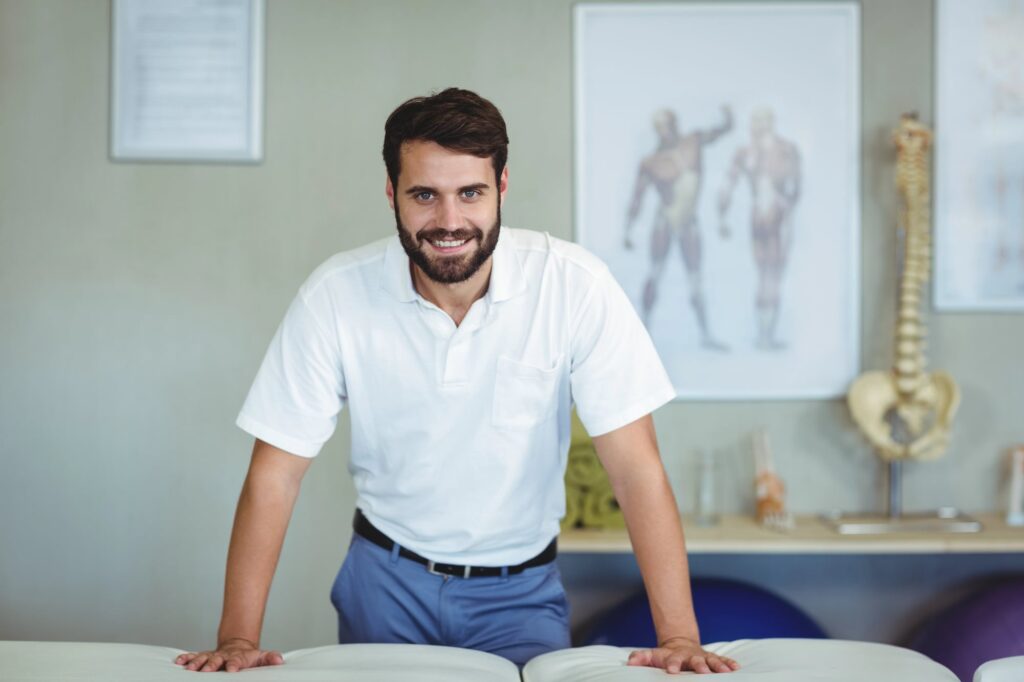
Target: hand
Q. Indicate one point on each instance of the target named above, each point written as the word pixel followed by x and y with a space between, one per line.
pixel 232 655
pixel 678 654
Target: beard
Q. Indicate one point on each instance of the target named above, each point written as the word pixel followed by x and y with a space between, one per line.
pixel 449 269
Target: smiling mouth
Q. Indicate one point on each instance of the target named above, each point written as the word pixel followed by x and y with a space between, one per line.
pixel 448 244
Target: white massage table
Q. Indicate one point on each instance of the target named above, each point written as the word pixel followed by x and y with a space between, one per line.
pixel 767 660
pixel 1001 670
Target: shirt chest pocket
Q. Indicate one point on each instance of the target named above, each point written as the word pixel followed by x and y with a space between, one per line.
pixel 524 395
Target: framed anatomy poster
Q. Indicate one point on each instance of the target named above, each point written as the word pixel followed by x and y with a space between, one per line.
pixel 979 155
pixel 717 174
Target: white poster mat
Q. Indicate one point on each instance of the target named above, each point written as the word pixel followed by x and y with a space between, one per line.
pixel 979 155
pixel 187 80
pixel 800 63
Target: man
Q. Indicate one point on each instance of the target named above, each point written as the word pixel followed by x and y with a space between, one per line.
pixel 458 346
pixel 771 166
pixel 675 170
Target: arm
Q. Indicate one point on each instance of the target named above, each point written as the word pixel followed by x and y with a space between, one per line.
pixel 725 194
pixel 630 456
pixel 712 134
pixel 642 181
pixel 261 519
pixel 789 192
pixel 792 185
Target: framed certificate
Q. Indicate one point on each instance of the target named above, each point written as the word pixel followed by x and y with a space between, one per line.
pixel 187 80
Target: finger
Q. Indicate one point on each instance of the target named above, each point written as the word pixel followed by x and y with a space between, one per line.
pixel 270 658
pixel 674 663
pixel 213 664
pixel 184 658
pixel 731 663
pixel 642 657
pixel 198 661
pixel 698 664
pixel 234 664
pixel 718 664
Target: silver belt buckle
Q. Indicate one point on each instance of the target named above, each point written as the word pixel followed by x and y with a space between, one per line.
pixel 466 570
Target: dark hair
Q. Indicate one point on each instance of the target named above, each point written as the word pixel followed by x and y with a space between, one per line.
pixel 456 119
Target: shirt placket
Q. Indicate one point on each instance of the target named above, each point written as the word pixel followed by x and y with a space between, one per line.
pixel 458 360
pixel 453 344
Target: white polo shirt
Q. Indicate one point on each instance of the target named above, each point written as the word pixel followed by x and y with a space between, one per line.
pixel 459 434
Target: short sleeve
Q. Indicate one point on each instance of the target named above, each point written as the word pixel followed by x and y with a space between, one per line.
pixel 616 374
pixel 300 387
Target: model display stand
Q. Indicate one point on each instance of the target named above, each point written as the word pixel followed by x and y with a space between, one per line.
pixel 942 520
pixel 906 412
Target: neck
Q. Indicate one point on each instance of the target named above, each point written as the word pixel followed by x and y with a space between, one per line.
pixel 455 299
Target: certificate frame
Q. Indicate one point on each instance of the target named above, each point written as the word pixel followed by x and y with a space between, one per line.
pixel 153 75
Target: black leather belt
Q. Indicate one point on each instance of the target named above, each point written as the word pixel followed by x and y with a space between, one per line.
pixel 362 526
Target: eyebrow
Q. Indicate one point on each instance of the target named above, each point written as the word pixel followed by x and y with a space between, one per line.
pixel 416 189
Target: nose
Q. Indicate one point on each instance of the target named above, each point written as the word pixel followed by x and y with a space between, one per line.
pixel 449 213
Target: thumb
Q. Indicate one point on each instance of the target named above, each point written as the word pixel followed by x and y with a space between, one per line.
pixel 270 658
pixel 643 657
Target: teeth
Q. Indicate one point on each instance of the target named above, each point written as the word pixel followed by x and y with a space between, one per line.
pixel 449 245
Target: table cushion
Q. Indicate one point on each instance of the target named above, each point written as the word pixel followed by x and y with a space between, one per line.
pixel 762 660
pixel 77 661
pixel 1001 670
pixel 766 660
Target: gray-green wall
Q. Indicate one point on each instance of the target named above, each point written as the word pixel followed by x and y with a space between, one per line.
pixel 136 301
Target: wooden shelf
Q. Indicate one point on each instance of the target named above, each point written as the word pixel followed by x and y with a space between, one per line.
pixel 741 535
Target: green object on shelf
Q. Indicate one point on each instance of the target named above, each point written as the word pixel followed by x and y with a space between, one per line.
pixel 589 500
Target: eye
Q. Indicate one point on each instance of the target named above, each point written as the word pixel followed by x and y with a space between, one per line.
pixel 423 196
pixel 471 193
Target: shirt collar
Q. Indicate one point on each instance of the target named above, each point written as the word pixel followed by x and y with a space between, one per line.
pixel 396 278
pixel 507 279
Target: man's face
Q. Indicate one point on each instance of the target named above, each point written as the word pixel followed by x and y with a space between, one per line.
pixel 447 210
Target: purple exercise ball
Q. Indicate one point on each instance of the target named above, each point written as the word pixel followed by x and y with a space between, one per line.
pixel 986 625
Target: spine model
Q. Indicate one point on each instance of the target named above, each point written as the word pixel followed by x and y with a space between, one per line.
pixel 908 412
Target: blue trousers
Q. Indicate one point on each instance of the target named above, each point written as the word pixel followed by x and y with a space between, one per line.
pixel 381 597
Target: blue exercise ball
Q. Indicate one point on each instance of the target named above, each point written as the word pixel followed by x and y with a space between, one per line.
pixel 726 610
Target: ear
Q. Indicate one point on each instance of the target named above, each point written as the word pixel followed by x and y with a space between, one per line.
pixel 389 192
pixel 503 185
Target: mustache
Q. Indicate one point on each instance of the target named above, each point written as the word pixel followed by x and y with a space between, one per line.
pixel 439 233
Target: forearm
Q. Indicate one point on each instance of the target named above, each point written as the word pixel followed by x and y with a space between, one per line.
pixel 725 197
pixel 656 532
pixel 634 209
pixel 264 510
pixel 636 201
